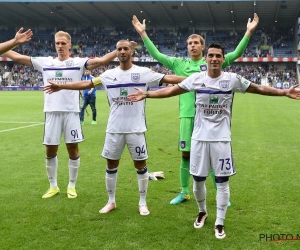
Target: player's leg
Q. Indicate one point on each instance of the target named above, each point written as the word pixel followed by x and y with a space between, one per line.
pixel 200 170
pixel 73 135
pixel 223 167
pixel 112 151
pixel 136 144
pixel 223 195
pixel 74 163
pixel 186 129
pixel 111 177
pixel 51 167
pixel 92 103
pixel 199 190
pixel 51 140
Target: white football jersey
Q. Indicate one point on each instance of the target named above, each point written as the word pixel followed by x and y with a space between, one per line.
pixel 61 72
pixel 126 116
pixel 214 99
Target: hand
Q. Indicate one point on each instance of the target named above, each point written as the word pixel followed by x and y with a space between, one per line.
pixel 293 92
pixel 137 96
pixel 23 37
pixel 51 88
pixel 140 28
pixel 251 25
pixel 133 44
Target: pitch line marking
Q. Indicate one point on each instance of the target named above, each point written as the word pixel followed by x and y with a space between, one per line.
pixel 11 129
pixel 18 122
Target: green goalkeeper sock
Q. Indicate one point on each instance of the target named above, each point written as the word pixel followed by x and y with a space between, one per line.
pixel 211 173
pixel 185 175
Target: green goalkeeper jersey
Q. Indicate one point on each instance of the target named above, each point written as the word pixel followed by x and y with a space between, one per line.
pixel 186 67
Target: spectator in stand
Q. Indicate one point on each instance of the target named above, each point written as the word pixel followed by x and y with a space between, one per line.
pixel 88 98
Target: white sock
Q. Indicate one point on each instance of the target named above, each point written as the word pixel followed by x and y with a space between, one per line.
pixel 223 195
pixel 143 180
pixel 73 171
pixel 199 190
pixel 111 183
pixel 51 167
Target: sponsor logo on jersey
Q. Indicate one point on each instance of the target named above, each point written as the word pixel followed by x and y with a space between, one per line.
pixel 115 80
pixel 213 99
pixel 123 92
pixel 202 85
pixel 224 85
pixel 135 77
pixel 203 67
pixel 59 73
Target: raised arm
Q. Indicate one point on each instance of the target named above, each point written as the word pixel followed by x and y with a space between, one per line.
pixel 17 40
pixel 154 52
pixel 293 92
pixel 239 50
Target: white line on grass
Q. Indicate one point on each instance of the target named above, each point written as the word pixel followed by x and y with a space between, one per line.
pixel 6 130
pixel 19 122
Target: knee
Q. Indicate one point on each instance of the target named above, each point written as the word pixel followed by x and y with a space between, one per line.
pixel 198 178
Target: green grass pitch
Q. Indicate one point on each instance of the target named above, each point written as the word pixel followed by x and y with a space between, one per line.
pixel 264 192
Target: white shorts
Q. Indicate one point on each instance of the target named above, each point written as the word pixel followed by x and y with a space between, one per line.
pixel 59 123
pixel 115 143
pixel 215 155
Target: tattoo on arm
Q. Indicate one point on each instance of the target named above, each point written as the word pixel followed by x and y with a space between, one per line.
pixel 265 90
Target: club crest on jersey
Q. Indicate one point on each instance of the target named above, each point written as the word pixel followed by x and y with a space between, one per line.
pixel 123 92
pixel 203 67
pixel 135 77
pixel 224 85
pixel 69 63
pixel 182 144
pixel 59 73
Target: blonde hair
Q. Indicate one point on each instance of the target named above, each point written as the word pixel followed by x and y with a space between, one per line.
pixel 62 33
pixel 202 41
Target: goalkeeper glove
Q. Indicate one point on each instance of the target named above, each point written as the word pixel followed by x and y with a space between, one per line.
pixel 156 175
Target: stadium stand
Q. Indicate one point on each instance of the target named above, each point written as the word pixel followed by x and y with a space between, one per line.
pixel 271 53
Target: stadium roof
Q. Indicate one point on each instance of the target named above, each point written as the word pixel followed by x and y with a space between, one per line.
pixel 216 14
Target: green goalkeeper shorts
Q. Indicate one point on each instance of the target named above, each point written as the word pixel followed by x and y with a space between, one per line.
pixel 185 134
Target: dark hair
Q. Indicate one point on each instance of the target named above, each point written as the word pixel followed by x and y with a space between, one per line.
pixel 216 46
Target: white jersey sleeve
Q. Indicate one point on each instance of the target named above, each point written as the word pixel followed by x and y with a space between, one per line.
pixel 61 72
pixel 126 116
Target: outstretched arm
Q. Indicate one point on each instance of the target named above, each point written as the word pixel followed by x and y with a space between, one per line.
pixel 19 39
pixel 160 93
pixel 293 92
pixel 232 56
pixel 100 61
pixel 54 87
pixel 173 79
pixel 16 57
